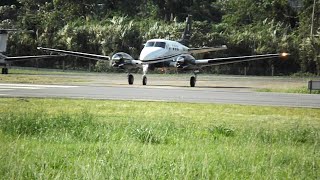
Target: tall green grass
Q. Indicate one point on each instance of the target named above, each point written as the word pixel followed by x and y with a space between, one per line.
pixel 87 139
pixel 299 90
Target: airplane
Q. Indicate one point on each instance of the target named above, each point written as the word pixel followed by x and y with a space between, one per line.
pixel 6 61
pixel 167 53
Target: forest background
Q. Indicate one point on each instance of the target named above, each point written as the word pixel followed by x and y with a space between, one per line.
pixel 108 26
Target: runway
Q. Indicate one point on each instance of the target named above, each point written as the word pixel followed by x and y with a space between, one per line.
pixel 161 93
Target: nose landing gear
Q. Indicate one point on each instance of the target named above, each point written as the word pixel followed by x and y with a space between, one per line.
pixel 4 71
pixel 193 79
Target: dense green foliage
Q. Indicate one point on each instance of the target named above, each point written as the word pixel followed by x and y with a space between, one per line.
pixel 90 139
pixel 106 27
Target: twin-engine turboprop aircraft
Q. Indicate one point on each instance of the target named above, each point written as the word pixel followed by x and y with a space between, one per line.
pixel 6 61
pixel 167 53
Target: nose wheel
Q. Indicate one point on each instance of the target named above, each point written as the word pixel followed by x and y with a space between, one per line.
pixel 130 79
pixel 193 79
pixel 4 71
pixel 144 80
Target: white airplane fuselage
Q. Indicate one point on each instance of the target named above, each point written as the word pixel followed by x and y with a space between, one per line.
pixel 2 59
pixel 162 50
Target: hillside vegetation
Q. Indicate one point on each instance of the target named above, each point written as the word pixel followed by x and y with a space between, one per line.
pixel 105 27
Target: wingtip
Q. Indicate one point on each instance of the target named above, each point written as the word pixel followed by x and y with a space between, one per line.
pixel 284 54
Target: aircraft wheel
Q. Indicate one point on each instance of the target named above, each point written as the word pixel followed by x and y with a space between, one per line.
pixel 130 79
pixel 6 71
pixel 193 81
pixel 144 80
pixel 3 71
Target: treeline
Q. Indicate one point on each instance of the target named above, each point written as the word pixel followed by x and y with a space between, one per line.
pixel 109 26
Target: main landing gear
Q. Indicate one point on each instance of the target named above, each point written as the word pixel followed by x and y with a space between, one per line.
pixel 193 79
pixel 4 71
pixel 130 79
pixel 144 80
pixel 144 76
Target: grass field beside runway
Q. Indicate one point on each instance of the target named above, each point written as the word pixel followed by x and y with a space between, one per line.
pixel 40 77
pixel 298 90
pixel 92 139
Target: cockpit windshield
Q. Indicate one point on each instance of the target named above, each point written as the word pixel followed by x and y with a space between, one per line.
pixel 156 44
pixel 160 44
pixel 150 44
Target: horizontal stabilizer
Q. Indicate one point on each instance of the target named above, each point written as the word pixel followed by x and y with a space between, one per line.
pixel 25 58
pixel 5 31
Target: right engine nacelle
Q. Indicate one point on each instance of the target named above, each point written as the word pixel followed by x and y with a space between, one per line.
pixel 184 61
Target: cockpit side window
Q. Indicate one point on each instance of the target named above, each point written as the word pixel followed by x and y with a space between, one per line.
pixel 150 44
pixel 160 44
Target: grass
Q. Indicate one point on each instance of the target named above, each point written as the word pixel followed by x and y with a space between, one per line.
pixel 44 71
pixel 299 90
pixel 34 79
pixel 90 139
pixel 40 77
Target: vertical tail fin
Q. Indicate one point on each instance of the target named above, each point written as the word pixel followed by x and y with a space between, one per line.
pixel 3 40
pixel 185 38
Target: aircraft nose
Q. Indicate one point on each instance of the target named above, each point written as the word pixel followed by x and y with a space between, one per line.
pixel 151 54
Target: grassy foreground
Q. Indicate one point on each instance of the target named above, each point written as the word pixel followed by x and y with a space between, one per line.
pixel 88 139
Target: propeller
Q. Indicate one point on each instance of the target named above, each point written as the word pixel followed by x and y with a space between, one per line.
pixel 118 59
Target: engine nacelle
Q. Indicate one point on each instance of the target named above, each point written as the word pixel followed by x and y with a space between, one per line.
pixel 184 61
pixel 124 61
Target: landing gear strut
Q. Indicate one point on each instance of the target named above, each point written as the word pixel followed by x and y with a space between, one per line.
pixel 144 80
pixel 144 76
pixel 193 79
pixel 4 71
pixel 130 79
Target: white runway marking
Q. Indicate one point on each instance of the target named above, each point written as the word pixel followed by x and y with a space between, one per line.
pixel 34 86
pixel 13 87
pixel 17 87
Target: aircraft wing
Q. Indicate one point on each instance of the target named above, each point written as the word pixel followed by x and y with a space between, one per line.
pixel 229 60
pixel 24 58
pixel 206 49
pixel 77 54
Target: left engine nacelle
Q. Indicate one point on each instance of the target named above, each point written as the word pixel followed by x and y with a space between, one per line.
pixel 119 59
pixel 124 61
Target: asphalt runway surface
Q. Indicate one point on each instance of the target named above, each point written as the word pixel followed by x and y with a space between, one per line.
pixel 161 93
